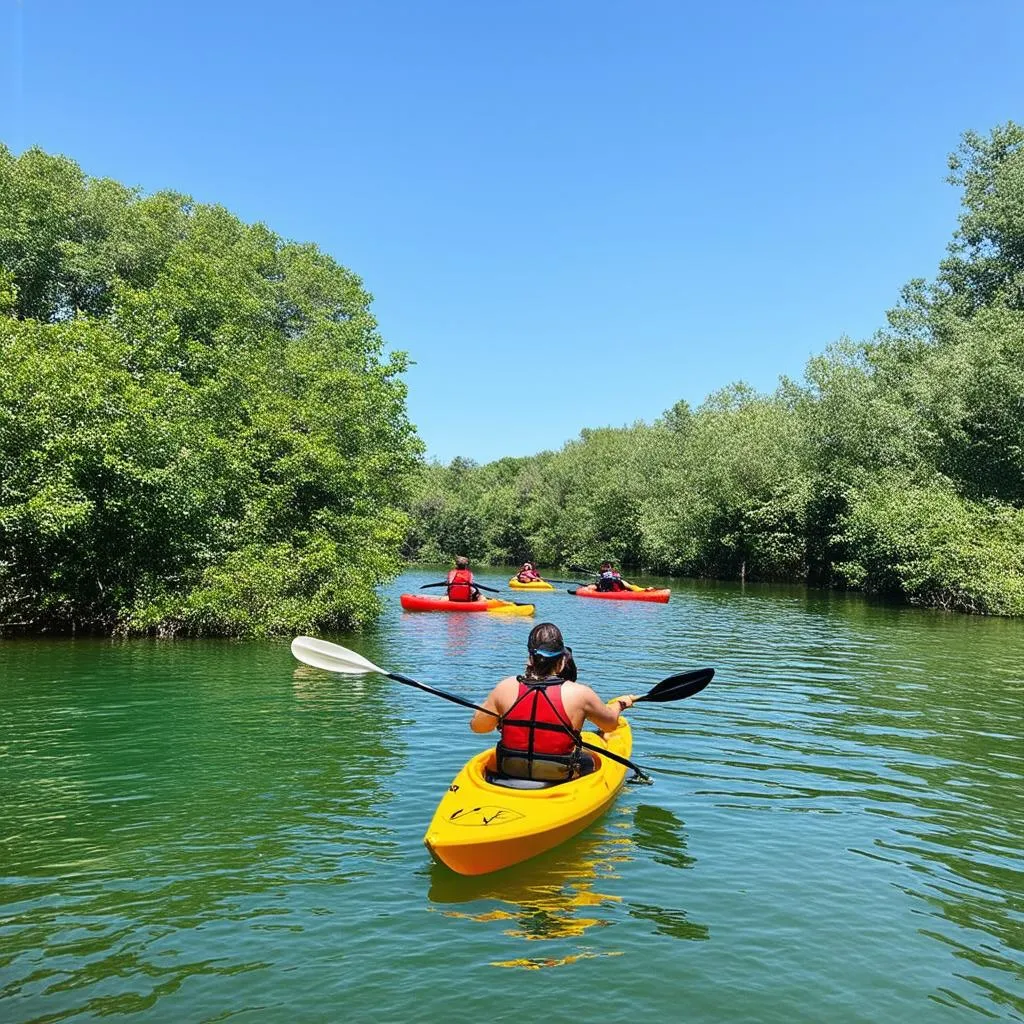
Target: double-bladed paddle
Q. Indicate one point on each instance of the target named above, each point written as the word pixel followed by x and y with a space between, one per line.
pixel 502 605
pixel 444 583
pixel 335 658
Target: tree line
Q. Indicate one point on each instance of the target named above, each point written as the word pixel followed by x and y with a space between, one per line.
pixel 201 433
pixel 199 430
pixel 896 465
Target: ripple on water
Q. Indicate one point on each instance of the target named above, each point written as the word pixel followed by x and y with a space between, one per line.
pixel 204 830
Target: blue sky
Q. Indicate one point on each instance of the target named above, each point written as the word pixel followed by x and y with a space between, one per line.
pixel 569 213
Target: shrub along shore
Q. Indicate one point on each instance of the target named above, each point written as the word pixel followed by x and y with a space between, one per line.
pixel 199 433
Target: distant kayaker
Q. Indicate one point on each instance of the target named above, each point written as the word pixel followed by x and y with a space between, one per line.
pixel 460 582
pixel 609 579
pixel 543 711
pixel 528 574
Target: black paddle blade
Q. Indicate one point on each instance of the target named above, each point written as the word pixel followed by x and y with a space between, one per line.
pixel 680 686
pixel 443 583
pixel 640 779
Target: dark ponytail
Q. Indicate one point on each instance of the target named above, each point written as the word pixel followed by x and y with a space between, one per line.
pixel 568 672
pixel 547 648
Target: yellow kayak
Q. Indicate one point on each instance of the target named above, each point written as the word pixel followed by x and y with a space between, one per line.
pixel 534 585
pixel 480 826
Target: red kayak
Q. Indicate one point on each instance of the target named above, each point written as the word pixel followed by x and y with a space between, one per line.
pixel 656 596
pixel 422 603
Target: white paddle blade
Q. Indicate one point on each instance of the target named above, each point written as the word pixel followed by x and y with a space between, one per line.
pixel 332 657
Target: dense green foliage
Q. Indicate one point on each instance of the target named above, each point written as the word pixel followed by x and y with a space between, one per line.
pixel 199 432
pixel 897 465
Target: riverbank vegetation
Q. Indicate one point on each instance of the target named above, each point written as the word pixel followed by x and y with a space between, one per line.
pixel 896 465
pixel 199 431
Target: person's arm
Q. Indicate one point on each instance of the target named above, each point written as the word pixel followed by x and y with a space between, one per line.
pixel 481 722
pixel 605 716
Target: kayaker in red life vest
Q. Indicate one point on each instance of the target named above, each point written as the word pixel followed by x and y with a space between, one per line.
pixel 543 711
pixel 460 582
pixel 527 574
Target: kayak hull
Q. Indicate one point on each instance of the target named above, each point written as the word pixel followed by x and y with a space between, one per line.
pixel 480 827
pixel 653 596
pixel 514 584
pixel 420 603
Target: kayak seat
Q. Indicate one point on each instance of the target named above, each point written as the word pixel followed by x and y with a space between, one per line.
pixel 587 765
pixel 510 783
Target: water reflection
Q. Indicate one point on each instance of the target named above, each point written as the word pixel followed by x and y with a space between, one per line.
pixel 564 894
pixel 846 794
pixel 553 896
pixel 669 922
pixel 947 769
pixel 167 809
pixel 906 729
pixel 319 689
pixel 454 636
pixel 660 833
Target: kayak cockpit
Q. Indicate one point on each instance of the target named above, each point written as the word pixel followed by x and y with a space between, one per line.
pixel 589 764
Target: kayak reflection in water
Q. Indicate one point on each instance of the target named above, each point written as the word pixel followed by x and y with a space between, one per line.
pixel 543 711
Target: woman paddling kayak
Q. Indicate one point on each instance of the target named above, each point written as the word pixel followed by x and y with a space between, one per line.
pixel 529 579
pixel 528 574
pixel 542 712
pixel 486 821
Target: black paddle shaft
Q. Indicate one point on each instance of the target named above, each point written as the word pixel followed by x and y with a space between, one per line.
pixel 454 698
pixel 444 583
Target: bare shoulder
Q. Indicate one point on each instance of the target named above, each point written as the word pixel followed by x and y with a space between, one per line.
pixel 580 693
pixel 505 691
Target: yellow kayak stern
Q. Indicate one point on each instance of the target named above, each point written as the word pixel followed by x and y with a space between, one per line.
pixel 514 584
pixel 480 827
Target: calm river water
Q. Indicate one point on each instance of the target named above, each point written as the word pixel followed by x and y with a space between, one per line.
pixel 198 831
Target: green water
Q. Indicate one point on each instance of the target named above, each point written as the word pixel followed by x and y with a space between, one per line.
pixel 198 831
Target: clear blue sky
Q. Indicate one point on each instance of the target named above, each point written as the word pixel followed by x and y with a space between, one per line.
pixel 570 212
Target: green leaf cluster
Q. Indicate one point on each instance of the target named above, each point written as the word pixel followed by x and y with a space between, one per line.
pixel 200 432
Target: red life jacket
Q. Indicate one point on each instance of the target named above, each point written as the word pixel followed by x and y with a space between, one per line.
pixel 460 585
pixel 610 580
pixel 528 575
pixel 537 722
